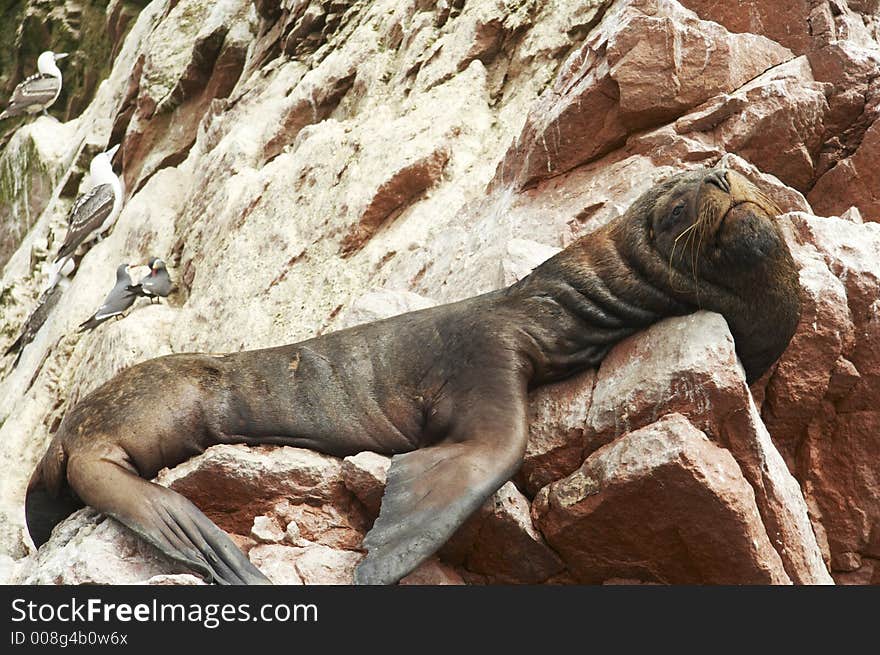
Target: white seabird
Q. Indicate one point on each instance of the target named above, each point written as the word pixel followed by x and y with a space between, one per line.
pixel 93 212
pixel 37 92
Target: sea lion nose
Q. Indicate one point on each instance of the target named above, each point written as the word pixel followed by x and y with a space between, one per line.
pixel 719 179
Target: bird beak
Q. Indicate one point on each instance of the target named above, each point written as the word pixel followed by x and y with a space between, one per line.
pixel 60 55
pixel 112 151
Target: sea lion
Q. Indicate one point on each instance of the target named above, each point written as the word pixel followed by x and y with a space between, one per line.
pixel 443 390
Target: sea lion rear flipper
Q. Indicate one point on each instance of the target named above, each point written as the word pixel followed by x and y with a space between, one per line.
pixel 431 491
pixel 161 516
pixel 44 510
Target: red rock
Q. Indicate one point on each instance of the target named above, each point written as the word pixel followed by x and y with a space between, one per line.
pixel 647 61
pixel 685 365
pixel 311 101
pixel 662 504
pixel 688 365
pixel 851 253
pixel 843 434
pixel 256 479
pixel 501 543
pixel 786 198
pixel 161 131
pixel 433 572
pixel 844 376
pixel 557 414
pixel 666 61
pixel 266 530
pixel 850 149
pixel 784 22
pixel 393 194
pixel 852 181
pixel 278 563
pixel 843 486
pixel 319 564
pixel 844 64
pixel 796 391
pixel 779 497
pixel 337 525
pixel 776 121
pixel 365 475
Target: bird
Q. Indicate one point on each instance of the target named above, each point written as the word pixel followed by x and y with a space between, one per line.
pixel 155 284
pixel 94 211
pixel 37 92
pixel 35 321
pixel 117 301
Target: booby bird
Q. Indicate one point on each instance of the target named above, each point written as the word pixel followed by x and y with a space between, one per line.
pixel 94 211
pixel 117 301
pixel 155 284
pixel 37 92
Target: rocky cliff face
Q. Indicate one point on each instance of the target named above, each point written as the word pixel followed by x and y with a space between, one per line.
pixel 310 164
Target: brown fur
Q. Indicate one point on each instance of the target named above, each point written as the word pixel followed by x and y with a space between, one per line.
pixel 443 390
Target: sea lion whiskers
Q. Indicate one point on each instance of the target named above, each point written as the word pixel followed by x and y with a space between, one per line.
pixel 704 224
pixel 707 221
pixel 687 231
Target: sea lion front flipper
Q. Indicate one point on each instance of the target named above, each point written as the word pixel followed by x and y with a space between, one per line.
pixel 431 491
pixel 161 516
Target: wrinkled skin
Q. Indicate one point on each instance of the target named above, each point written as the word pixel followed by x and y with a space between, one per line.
pixel 443 390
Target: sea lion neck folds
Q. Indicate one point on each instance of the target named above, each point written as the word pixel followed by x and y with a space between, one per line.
pixel 443 390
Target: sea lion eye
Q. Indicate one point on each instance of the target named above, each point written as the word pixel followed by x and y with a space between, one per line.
pixel 676 211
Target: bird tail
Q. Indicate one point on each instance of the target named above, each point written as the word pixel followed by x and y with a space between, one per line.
pixel 90 324
pixel 15 345
pixel 136 289
pixel 11 111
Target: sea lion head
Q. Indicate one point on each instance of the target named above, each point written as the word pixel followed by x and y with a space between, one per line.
pixel 714 225
pixel 715 239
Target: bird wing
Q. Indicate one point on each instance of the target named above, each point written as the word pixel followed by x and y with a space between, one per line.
pixel 158 285
pixel 117 301
pixel 86 216
pixel 36 89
